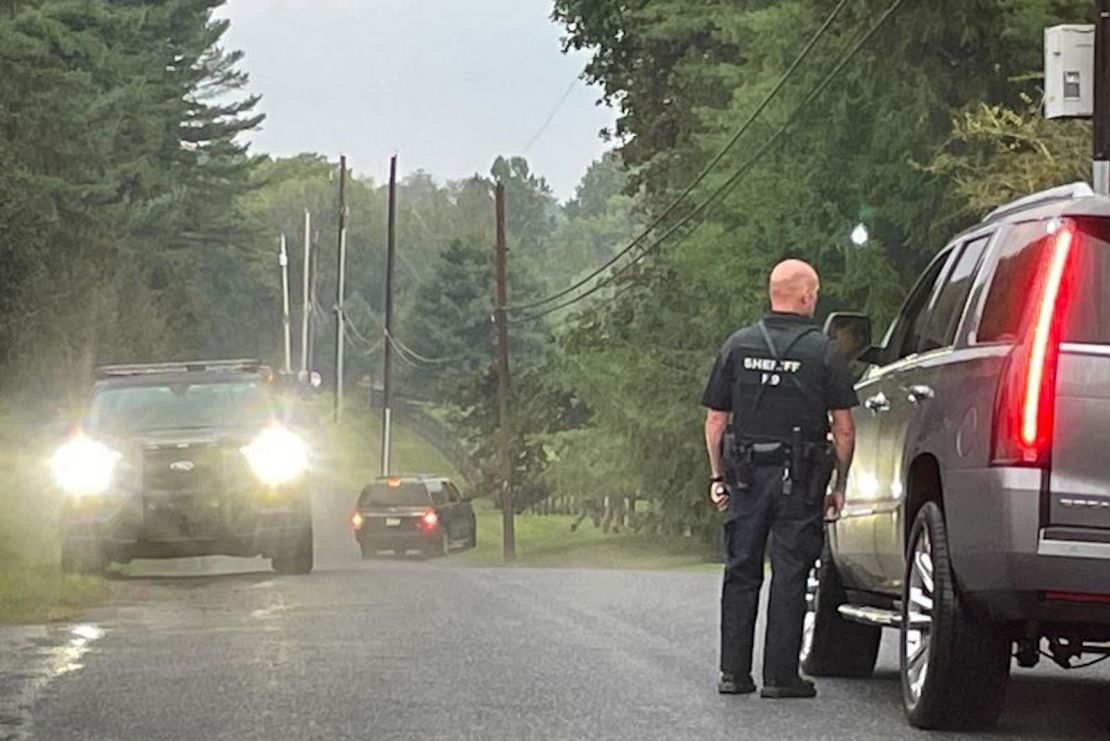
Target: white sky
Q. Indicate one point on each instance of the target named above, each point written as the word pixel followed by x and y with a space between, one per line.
pixel 446 84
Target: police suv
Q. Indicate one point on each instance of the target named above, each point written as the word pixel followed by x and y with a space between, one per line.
pixel 184 459
pixel 977 522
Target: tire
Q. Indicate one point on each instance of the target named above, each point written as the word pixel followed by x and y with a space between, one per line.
pixel 300 561
pixel 367 550
pixel 83 557
pixel 831 645
pixel 954 669
pixel 473 542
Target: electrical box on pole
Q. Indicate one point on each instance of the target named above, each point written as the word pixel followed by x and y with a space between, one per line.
pixel 1069 71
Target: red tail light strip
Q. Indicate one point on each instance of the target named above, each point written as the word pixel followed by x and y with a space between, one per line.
pixel 1045 342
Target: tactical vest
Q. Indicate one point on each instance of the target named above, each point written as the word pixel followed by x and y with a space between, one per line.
pixel 780 376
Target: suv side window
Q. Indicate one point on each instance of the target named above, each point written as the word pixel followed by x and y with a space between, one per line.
pixel 453 494
pixel 1014 277
pixel 439 496
pixel 905 334
pixel 948 307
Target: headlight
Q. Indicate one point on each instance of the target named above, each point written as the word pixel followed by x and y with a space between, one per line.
pixel 84 467
pixel 277 456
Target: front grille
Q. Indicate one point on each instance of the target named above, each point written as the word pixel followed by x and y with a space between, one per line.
pixel 183 469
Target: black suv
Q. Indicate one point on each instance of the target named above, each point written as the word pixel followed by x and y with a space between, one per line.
pixel 406 513
pixel 184 459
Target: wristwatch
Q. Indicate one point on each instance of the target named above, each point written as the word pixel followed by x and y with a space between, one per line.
pixel 717 479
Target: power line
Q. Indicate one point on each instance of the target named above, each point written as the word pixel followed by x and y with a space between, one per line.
pixel 547 122
pixel 709 167
pixel 421 358
pixel 732 181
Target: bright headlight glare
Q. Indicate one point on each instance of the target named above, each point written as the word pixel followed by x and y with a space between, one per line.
pixel 84 467
pixel 277 456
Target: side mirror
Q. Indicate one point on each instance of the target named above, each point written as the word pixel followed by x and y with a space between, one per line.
pixel 851 333
pixel 872 356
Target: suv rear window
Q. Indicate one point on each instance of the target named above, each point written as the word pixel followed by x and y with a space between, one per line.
pixel 1088 319
pixel 405 494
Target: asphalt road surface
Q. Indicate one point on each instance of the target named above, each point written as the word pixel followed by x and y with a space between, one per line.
pixel 409 650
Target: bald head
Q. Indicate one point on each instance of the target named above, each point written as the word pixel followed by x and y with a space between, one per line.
pixel 793 287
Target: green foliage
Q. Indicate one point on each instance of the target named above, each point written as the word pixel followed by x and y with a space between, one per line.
pixel 879 145
pixel 120 174
pixel 997 154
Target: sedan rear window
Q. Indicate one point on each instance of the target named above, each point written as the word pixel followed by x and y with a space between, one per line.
pixel 401 495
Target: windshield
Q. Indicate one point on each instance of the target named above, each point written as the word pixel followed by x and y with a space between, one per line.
pixel 132 409
pixel 403 495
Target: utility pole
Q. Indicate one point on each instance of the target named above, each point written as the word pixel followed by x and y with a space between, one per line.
pixel 306 298
pixel 341 277
pixel 1101 164
pixel 387 372
pixel 314 324
pixel 283 260
pixel 508 530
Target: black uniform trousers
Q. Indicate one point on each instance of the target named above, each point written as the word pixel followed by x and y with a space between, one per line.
pixel 797 536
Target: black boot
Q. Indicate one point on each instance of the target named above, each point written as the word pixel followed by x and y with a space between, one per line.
pixel 730 684
pixel 799 688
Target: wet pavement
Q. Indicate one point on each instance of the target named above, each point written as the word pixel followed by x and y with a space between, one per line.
pixel 397 649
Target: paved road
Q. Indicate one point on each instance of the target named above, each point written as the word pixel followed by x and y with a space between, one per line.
pixel 408 650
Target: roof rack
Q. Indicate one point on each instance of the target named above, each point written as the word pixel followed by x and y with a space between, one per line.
pixel 184 366
pixel 1062 193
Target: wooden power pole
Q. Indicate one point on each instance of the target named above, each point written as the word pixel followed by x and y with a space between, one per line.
pixel 387 370
pixel 505 466
pixel 341 276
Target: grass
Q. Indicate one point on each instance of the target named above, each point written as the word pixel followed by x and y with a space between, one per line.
pixel 547 541
pixel 35 593
pixel 351 453
pixel 32 589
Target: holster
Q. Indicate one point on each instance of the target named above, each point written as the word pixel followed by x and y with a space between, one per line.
pixel 810 465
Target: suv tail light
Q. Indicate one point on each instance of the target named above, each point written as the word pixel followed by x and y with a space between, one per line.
pixel 1027 389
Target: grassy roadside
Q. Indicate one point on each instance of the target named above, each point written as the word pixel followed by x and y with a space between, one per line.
pixel 32 589
pixel 35 594
pixel 547 541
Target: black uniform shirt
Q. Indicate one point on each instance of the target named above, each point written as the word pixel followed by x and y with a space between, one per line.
pixel 799 391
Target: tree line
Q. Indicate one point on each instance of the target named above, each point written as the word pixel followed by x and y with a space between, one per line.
pixel 136 224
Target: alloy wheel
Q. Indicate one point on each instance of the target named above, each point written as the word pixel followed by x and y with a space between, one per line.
pixel 812 584
pixel 917 633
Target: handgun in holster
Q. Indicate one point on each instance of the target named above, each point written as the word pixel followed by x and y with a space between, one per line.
pixel 737 462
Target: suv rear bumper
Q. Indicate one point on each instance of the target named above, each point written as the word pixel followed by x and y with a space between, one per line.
pixel 1010 568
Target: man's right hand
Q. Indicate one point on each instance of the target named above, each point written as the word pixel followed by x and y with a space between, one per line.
pixel 719 494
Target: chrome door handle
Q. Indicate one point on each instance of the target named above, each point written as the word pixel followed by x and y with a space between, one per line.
pixel 878 403
pixel 919 392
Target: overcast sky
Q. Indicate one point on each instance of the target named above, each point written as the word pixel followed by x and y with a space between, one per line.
pixel 446 84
